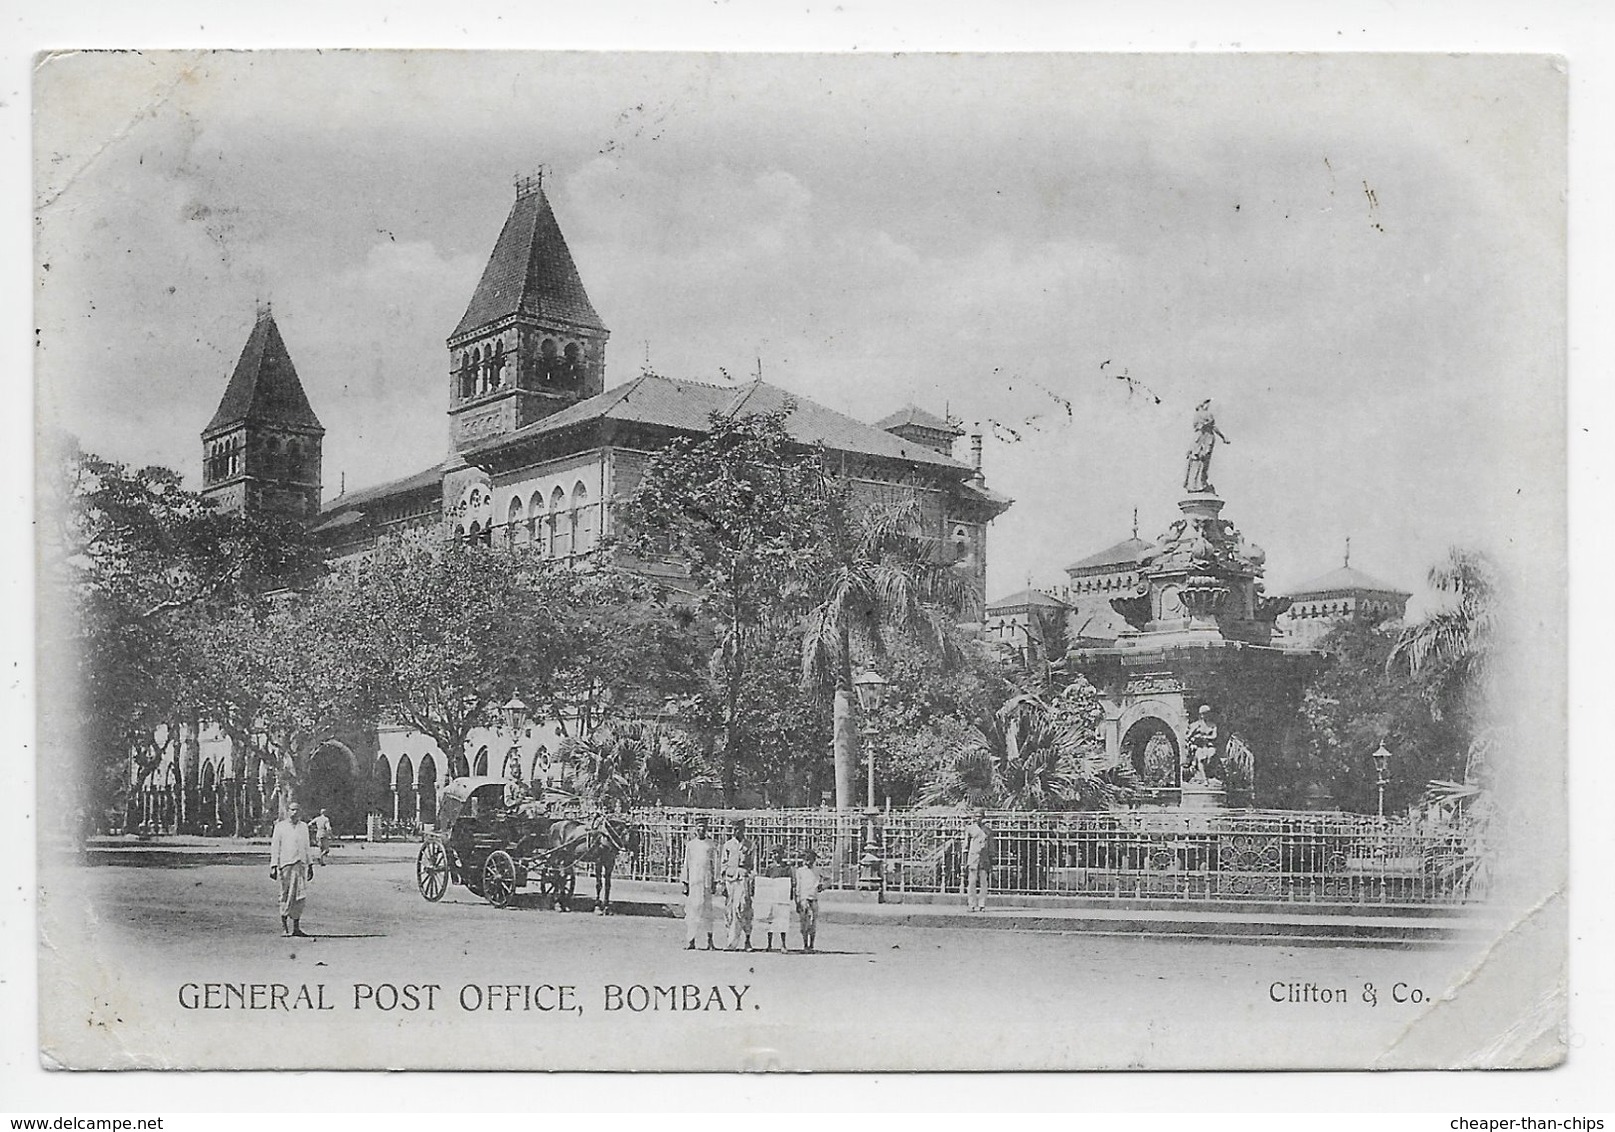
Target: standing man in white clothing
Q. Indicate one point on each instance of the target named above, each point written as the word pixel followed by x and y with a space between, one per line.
pixel 291 863
pixel 978 862
pixel 700 877
pixel 737 864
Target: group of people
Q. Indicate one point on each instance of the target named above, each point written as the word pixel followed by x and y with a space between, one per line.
pixel 769 894
pixel 292 861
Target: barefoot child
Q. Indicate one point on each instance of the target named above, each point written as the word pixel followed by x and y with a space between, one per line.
pixel 774 899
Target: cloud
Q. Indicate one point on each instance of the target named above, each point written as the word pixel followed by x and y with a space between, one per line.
pixel 977 232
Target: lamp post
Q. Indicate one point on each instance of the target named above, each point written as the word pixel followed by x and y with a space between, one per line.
pixel 1382 766
pixel 511 714
pixel 871 688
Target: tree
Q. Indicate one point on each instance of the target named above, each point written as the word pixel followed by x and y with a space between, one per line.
pixel 874 572
pixel 1356 702
pixel 443 633
pixel 738 507
pixel 629 649
pixel 1034 753
pixel 1451 651
pixel 633 762
pixel 281 682
pixel 787 725
pixel 930 702
pixel 126 555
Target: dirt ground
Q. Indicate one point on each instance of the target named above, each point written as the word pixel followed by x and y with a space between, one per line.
pixel 128 955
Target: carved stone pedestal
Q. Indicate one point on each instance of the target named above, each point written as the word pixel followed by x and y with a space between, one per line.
pixel 1202 796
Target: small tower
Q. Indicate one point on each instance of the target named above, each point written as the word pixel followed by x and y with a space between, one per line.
pixel 530 342
pixel 261 450
pixel 915 424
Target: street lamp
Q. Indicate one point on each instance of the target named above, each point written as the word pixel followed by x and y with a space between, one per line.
pixel 871 688
pixel 1382 766
pixel 511 714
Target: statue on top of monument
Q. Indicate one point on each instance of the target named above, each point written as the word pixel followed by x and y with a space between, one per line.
pixel 1197 476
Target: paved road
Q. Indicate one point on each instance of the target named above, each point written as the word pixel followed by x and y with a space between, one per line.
pixel 123 943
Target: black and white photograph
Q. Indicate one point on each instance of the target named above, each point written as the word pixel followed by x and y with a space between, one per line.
pixel 851 562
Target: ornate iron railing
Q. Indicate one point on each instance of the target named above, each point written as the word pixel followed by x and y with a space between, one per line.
pixel 1227 855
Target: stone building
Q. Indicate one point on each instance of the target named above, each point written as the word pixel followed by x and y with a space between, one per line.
pixel 540 451
pixel 261 450
pixel 1013 620
pixel 1343 594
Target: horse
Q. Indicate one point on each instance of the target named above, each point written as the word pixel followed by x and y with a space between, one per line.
pixel 609 836
pixel 598 839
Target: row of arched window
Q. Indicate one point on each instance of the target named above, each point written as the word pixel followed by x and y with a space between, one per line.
pixel 566 527
pixel 222 459
pixel 1100 583
pixel 270 456
pixel 1345 607
pixel 483 369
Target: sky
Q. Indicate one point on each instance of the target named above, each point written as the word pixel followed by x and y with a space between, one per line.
pixel 1360 258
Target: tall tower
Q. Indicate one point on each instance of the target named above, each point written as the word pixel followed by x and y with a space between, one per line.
pixel 530 342
pixel 261 450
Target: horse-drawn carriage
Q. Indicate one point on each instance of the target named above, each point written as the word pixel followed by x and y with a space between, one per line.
pixel 494 841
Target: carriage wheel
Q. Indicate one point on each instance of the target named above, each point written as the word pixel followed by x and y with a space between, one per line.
pixel 432 871
pixel 499 879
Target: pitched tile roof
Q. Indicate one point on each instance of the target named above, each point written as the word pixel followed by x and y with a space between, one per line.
pixel 1346 578
pixel 686 405
pixel 1123 553
pixel 354 501
pixel 813 423
pixel 1025 599
pixel 985 494
pixel 530 271
pixel 912 414
pixel 264 385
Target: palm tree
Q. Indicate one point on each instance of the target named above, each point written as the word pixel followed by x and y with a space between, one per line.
pixel 1452 649
pixel 1453 646
pixel 876 573
pixel 627 762
pixel 1034 753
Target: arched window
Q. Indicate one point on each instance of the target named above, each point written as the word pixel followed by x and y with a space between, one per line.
pixel 574 363
pixel 479 768
pixel 515 527
pixel 481 370
pixel 535 521
pixel 582 520
pixel 426 791
pixel 547 360
pixel 512 770
pixel 560 526
pixel 402 800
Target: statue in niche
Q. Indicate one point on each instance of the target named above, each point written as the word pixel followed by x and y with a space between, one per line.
pixel 1197 476
pixel 1200 763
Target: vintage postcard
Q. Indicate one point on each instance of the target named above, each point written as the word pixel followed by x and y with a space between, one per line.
pixel 801 562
